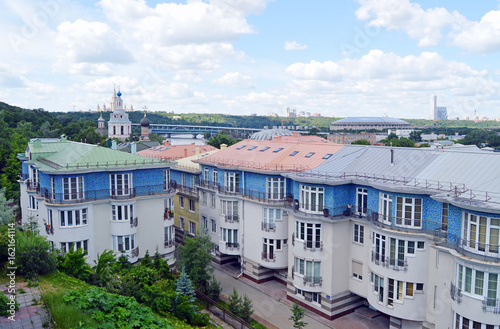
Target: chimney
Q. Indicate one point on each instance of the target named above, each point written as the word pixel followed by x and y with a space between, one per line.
pixel 295 134
pixel 223 146
pixel 197 151
pixel 392 157
pixel 185 153
pixel 133 148
pixel 113 145
pixel 37 143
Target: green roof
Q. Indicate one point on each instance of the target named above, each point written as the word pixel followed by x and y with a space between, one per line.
pixel 71 156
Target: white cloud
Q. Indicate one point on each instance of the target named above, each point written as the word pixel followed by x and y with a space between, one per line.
pixel 91 42
pixel 420 24
pixel 235 80
pixel 294 45
pixel 482 36
pixel 315 70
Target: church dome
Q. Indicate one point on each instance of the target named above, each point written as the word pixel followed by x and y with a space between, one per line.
pixel 145 121
pixel 119 93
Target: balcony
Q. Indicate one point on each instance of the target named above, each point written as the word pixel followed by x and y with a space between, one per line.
pixel 313 281
pixel 187 190
pixel 134 252
pixel 231 218
pixel 268 257
pixel 169 243
pixel 134 221
pixel 491 305
pixel 268 227
pixel 232 245
pixel 92 195
pixel 258 196
pixel 313 245
pixel 33 186
pixel 49 229
pixel 394 263
pixel 455 293
pixel 168 214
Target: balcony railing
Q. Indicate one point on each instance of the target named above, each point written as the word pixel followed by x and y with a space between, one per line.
pixel 232 245
pixel 313 245
pixel 268 227
pixel 455 293
pixel 134 221
pixel 268 257
pixel 313 281
pixel 33 186
pixel 187 190
pixel 232 218
pixel 91 195
pixel 169 243
pixel 394 263
pixel 168 214
pixel 491 305
pixel 259 196
pixel 49 229
pixel 135 252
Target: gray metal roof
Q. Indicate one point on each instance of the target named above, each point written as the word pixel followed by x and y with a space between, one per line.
pixel 369 120
pixel 270 133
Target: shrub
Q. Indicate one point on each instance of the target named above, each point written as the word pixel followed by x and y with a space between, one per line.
pixel 34 255
pixel 5 307
pixel 74 264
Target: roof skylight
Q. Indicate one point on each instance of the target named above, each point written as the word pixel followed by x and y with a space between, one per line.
pixel 240 147
pixel 265 148
pixel 293 153
pixel 253 147
pixel 310 155
pixel 327 156
pixel 277 150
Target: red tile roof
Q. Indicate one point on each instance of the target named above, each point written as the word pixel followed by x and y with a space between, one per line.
pixel 274 155
pixel 175 152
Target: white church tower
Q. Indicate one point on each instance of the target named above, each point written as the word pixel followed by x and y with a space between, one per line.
pixel 119 125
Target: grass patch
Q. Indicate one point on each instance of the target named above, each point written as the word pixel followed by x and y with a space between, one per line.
pixel 66 315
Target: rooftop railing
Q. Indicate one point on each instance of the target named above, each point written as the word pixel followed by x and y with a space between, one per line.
pixel 235 163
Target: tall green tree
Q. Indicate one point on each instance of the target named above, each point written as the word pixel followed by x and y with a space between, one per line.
pixel 184 286
pixel 298 314
pixel 7 208
pixel 195 257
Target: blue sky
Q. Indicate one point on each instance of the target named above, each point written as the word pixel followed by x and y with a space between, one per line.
pixel 336 58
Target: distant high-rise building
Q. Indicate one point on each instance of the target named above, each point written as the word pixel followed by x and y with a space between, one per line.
pixel 437 113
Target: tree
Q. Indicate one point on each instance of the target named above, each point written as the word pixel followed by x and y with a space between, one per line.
pixel 214 289
pixel 361 142
pixel 234 303
pixel 7 209
pixel 246 309
pixel 221 138
pixel 195 257
pixel 297 314
pixel 184 286
pixel 415 136
pixel 103 270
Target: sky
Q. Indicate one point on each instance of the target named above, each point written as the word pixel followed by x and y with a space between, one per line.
pixel 341 58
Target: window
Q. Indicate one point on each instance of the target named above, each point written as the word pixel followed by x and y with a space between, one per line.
pixel 265 148
pixel 204 222
pixel 269 216
pixel 204 198
pixel 240 147
pixel 229 209
pixel 215 177
pixel 361 201
pixel 192 228
pixel 123 242
pixel 73 246
pixel 328 156
pixel 53 186
pixel 378 286
pixel 166 179
pixel 385 208
pixel 409 289
pixel 275 188
pixel 359 231
pixel 311 270
pixel 120 184
pixel 181 201
pixel 481 234
pixel 357 270
pixel 212 200
pixel 168 234
pixel 310 233
pixel 465 323
pixel 311 198
pixel 268 249
pixel 71 218
pixel 33 203
pixel 191 205
pixel 206 174
pixel 232 182
pixel 379 248
pixel 229 236
pixel 309 154
pixel 73 188
pixel 293 153
pixel 277 150
pixel 183 179
pixel 408 212
pixel 444 216
pixel 34 175
pixel 214 225
pixel 122 212
pixel 49 218
pixel 479 283
pixel 181 222
pixel 420 245
pixel 253 147
pixel 192 182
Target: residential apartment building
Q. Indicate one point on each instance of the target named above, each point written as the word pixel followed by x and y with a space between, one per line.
pixel 94 198
pixel 413 233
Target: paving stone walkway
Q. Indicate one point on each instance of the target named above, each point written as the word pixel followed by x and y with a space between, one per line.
pixel 31 313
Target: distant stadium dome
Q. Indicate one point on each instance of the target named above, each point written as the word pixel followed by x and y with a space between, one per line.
pixel 365 123
pixel 270 133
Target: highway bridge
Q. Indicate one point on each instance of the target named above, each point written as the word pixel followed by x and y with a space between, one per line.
pixel 168 130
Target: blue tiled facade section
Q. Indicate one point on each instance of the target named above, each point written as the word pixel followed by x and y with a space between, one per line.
pixel 25 168
pixel 148 180
pixel 44 180
pixel 210 173
pixel 455 217
pixel 338 196
pixel 431 212
pixel 176 175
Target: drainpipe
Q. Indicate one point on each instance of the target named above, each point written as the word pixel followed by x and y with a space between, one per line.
pixel 242 225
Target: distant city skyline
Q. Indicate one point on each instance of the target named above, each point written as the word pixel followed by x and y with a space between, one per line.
pixel 336 58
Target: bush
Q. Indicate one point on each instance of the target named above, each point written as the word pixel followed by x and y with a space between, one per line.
pixel 34 255
pixel 74 264
pixel 5 307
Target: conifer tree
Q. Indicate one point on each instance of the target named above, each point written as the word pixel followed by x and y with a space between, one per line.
pixel 184 286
